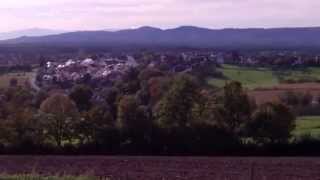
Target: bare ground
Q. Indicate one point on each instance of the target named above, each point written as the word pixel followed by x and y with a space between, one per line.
pixel 152 168
pixel 272 94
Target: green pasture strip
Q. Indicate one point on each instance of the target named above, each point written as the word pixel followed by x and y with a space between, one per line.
pixel 307 125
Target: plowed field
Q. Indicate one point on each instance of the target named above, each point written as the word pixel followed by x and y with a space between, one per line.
pixel 152 168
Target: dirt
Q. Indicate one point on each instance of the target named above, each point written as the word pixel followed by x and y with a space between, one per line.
pixel 154 168
pixel 272 94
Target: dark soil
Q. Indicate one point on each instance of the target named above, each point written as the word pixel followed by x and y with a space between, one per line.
pixel 151 168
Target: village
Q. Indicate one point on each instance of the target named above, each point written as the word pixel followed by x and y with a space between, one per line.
pixel 103 71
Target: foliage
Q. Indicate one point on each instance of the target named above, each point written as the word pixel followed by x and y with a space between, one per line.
pixel 271 123
pixel 60 113
pixel 146 112
pixel 237 106
pixel 175 109
pixel 81 95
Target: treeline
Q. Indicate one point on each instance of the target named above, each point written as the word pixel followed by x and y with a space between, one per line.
pixel 146 113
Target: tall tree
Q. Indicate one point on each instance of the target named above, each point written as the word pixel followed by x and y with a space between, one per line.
pixel 271 123
pixel 61 113
pixel 81 95
pixel 175 108
pixel 238 107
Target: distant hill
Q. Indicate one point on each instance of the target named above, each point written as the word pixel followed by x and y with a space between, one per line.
pixel 28 32
pixel 186 36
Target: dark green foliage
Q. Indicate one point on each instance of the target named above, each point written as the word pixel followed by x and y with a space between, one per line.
pixel 176 107
pixel 237 107
pixel 271 123
pixel 81 95
pixel 147 112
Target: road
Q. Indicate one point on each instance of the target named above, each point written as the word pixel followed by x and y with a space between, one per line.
pixel 33 83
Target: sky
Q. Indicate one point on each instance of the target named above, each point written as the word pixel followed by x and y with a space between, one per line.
pixel 119 14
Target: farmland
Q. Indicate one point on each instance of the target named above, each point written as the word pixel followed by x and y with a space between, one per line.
pixel 252 78
pixel 165 167
pixel 267 94
pixel 308 125
pixel 249 77
pixel 21 77
pixel 39 177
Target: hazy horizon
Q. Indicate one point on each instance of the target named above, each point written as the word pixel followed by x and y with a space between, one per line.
pixel 69 15
pixel 173 27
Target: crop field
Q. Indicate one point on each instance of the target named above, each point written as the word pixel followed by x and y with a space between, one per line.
pixel 22 77
pixel 149 168
pixel 252 78
pixel 39 177
pixel 262 95
pixel 308 125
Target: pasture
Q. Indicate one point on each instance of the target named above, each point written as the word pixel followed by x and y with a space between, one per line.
pixel 249 77
pixel 253 78
pixel 307 125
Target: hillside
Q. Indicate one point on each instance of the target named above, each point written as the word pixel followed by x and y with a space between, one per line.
pixel 187 36
pixel 34 32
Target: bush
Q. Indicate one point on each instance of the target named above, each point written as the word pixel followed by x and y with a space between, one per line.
pixel 271 123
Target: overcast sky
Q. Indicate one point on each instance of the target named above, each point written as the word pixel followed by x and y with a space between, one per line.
pixel 104 14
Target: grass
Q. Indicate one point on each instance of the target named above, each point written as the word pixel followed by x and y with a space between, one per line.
pixel 307 125
pixel 22 77
pixel 36 177
pixel 249 77
pixel 263 77
pixel 310 73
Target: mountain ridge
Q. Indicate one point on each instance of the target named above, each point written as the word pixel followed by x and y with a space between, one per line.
pixel 187 36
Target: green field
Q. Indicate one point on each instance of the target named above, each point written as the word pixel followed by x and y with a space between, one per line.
pixel 22 77
pixel 307 125
pixel 311 73
pixel 262 77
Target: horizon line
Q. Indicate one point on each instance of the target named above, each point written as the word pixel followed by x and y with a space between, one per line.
pixel 160 28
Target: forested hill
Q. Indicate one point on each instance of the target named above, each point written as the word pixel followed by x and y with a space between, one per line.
pixel 186 36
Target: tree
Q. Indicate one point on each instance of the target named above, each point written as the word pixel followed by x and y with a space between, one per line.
pixel 61 116
pixel 149 73
pixel 306 99
pixel 175 108
pixel 20 127
pixel 271 123
pixel 238 107
pixel 110 97
pixel 158 86
pixel 128 113
pixel 81 95
pixel 134 122
pixel 94 124
pixel 290 98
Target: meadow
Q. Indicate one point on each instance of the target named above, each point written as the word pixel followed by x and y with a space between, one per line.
pixel 253 78
pixel 307 126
